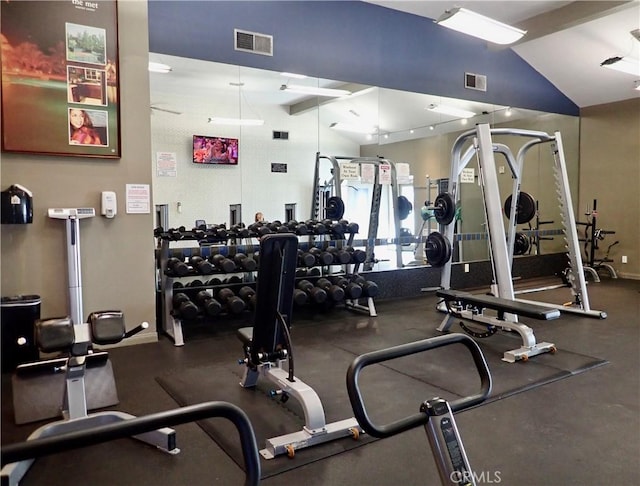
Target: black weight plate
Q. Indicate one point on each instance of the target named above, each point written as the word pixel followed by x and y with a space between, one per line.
pixel 525 208
pixel 335 208
pixel 521 244
pixel 444 208
pixel 404 207
pixel 437 249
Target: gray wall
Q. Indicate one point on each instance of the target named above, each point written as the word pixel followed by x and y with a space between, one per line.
pixel 117 255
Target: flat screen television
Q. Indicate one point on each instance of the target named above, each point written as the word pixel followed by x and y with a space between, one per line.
pixel 215 150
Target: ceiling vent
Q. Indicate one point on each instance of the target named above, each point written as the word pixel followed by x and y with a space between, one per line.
pixel 253 42
pixel 475 81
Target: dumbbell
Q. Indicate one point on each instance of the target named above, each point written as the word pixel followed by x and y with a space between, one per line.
pixel 313 272
pixel 184 307
pixel 369 288
pixel 351 289
pixel 231 301
pixel 357 256
pixel 214 281
pixel 178 285
pixel 195 283
pixel 234 279
pixel 298 228
pixel 316 294
pixel 306 259
pixel 247 294
pixel 353 228
pixel 177 267
pixel 322 257
pixel 334 292
pixel 203 266
pixel 338 229
pixel 211 306
pixel 222 263
pixel 340 256
pixel 299 297
pixel 246 263
pixel 316 227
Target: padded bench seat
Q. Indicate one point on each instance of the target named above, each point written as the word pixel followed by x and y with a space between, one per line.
pixel 501 305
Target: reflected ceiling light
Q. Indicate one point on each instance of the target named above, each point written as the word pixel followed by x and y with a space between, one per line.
pixel 622 64
pixel 156 67
pixel 431 127
pixel 508 111
pixel 345 127
pixel 235 121
pixel 464 121
pixel 450 110
pixel 294 75
pixel 477 25
pixel 315 91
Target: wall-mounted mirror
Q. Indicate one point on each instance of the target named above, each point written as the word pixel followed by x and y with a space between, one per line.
pixel 275 155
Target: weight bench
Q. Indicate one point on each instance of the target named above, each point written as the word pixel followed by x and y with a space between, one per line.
pixel 269 353
pixel 463 305
pixel 61 334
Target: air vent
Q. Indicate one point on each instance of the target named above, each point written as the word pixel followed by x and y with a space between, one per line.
pixel 280 135
pixel 475 81
pixel 253 42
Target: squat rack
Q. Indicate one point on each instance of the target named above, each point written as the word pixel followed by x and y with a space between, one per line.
pixel 501 249
pixel 335 189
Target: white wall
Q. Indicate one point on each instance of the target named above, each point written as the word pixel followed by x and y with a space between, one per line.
pixel 205 192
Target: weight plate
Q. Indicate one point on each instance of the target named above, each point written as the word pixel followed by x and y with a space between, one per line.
pixel 404 207
pixel 525 208
pixel 444 208
pixel 335 208
pixel 521 245
pixel 437 249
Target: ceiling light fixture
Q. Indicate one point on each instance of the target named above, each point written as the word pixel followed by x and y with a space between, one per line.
pixel 508 111
pixel 156 67
pixel 294 75
pixel 345 127
pixel 622 64
pixel 315 91
pixel 235 121
pixel 451 111
pixel 477 25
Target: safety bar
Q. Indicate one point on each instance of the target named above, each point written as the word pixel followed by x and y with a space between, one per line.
pixel 104 433
pixel 402 425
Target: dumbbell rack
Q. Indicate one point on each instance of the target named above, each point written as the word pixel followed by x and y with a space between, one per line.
pixel 171 323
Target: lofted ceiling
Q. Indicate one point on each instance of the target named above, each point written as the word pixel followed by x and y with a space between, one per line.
pixel 565 42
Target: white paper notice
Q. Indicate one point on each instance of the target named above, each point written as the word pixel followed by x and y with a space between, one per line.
pixel 385 174
pixel 367 173
pixel 166 164
pixel 468 176
pixel 138 199
pixel 349 171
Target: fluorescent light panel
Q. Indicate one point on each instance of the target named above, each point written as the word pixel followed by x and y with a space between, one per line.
pixel 315 91
pixel 345 127
pixel 622 64
pixel 156 67
pixel 235 121
pixel 477 25
pixel 293 75
pixel 451 111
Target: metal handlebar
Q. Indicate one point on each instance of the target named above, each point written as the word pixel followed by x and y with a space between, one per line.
pixel 402 425
pixel 96 435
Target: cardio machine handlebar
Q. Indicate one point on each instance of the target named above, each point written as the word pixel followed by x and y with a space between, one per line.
pixel 402 425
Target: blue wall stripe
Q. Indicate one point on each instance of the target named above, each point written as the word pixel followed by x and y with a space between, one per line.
pixel 353 41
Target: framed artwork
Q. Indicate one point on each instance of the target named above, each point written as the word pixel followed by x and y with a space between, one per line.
pixel 60 87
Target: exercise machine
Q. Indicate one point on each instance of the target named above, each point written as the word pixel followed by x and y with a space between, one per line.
pixel 268 350
pixel 592 235
pixel 31 449
pixel 63 335
pixel 436 414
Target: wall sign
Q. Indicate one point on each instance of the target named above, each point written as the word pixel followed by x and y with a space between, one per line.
pixel 60 91
pixel 275 167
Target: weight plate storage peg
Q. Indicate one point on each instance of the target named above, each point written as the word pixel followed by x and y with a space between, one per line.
pixel 525 208
pixel 335 208
pixel 444 208
pixel 437 249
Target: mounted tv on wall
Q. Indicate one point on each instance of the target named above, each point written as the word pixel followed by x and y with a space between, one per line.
pixel 215 150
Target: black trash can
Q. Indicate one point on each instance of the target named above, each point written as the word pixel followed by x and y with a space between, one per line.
pixel 19 314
